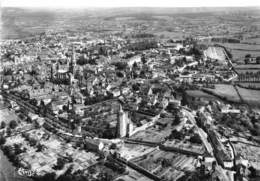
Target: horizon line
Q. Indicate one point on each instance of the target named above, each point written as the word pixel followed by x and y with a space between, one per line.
pixel 112 7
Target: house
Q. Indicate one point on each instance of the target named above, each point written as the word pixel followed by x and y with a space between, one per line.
pixel 135 59
pixel 93 144
pixel 226 111
pixel 79 109
pixel 185 78
pixel 32 116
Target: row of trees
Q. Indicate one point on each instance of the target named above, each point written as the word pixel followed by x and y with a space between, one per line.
pixel 12 124
pixel 83 61
pixel 144 45
pixel 195 138
pixel 249 59
pixel 225 40
pixel 142 35
pixel 249 76
pixel 7 71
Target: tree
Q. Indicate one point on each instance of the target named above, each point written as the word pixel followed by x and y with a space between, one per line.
pixel 143 59
pixel 119 74
pixel 60 163
pixel 13 124
pixel 17 149
pixel 258 60
pixel 8 71
pixel 255 131
pixel 248 56
pixel 105 176
pixel 108 133
pixel 166 163
pixel 3 125
pixel 2 140
pixel 113 146
pixel 8 131
pixel 47 177
pixel 66 178
pixel 176 135
pixel 92 170
pixel 196 139
pixel 253 172
pixel 135 87
pixel 33 102
pixel 39 147
pixel 177 120
pixel 135 66
pixel 32 141
pixel 120 65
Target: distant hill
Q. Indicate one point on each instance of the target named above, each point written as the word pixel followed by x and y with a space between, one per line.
pixel 21 22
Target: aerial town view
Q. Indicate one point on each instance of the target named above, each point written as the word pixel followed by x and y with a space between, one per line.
pixel 139 93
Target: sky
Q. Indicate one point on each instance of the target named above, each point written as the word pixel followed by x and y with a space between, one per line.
pixel 128 3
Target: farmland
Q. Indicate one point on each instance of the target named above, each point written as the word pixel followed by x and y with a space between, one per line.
pixel 250 96
pixel 225 91
pixel 249 84
pixel 252 40
pixel 228 92
pixel 239 50
pixel 242 69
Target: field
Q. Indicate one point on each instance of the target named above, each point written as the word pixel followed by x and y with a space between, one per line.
pixel 227 91
pixel 239 54
pixel 249 84
pixel 248 66
pixel 168 34
pixel 7 116
pixel 249 96
pixel 241 69
pixel 171 23
pixel 252 41
pixel 239 50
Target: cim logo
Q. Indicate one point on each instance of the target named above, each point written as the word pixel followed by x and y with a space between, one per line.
pixel 26 172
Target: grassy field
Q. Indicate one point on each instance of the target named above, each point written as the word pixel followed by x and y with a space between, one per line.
pixel 250 96
pixel 226 91
pixel 239 50
pixel 241 46
pixel 252 40
pixel 250 84
pixel 7 115
pixel 168 34
pixel 238 54
pixel 241 69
